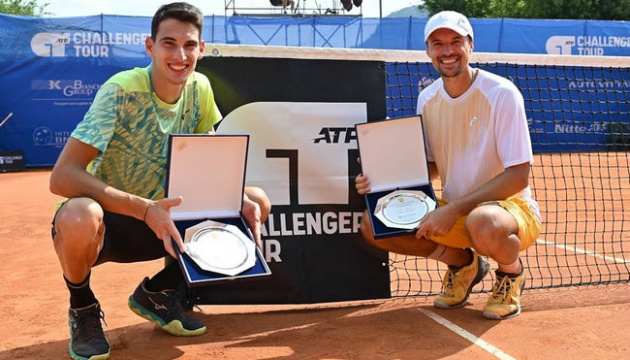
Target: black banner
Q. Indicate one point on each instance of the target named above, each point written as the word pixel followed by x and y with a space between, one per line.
pixel 311 239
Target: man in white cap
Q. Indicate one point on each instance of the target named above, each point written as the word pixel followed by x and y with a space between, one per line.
pixel 477 142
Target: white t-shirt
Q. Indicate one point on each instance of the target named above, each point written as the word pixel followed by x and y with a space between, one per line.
pixel 474 137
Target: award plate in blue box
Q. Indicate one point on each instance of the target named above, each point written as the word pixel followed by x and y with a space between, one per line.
pixel 393 157
pixel 208 171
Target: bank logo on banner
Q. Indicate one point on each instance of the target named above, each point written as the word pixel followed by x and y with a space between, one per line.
pixel 44 136
pixel 68 88
pixel 299 155
pixel 86 44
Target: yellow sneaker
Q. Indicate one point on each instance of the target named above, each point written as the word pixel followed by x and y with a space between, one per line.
pixel 458 283
pixel 505 301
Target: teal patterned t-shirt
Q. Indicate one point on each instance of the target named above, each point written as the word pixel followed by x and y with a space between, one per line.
pixel 130 125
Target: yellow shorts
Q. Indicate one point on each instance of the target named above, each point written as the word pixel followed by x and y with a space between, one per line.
pixel 528 225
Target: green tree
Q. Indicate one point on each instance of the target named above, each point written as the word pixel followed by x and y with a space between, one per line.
pixel 534 9
pixel 22 7
pixel 470 8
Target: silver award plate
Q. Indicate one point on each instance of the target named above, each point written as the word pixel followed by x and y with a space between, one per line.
pixel 220 248
pixel 403 209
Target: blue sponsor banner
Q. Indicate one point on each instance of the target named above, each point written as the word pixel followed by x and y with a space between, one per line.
pixel 51 71
pixel 566 37
pixel 52 67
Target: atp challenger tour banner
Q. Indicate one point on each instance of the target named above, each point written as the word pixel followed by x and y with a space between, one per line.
pixel 300 115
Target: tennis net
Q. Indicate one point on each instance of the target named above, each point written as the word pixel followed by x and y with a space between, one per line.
pixel 578 110
pixel 578 114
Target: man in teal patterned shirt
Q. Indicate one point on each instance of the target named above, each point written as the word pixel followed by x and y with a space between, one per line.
pixel 113 171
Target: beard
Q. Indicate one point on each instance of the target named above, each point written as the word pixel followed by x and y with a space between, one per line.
pixel 453 69
pixel 451 72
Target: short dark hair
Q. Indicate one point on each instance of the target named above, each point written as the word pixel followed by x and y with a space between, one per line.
pixel 181 11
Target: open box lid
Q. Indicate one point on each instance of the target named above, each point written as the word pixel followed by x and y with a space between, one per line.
pixel 208 171
pixel 393 155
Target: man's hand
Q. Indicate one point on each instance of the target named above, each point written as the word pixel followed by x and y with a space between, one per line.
pixel 362 184
pixel 251 213
pixel 158 218
pixel 438 222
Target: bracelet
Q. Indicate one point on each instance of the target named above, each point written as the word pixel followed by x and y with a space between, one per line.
pixel 146 212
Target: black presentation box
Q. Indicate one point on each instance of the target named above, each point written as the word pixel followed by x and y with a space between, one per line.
pixel 393 157
pixel 208 171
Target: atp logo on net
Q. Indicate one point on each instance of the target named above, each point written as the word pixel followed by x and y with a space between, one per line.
pixel 50 44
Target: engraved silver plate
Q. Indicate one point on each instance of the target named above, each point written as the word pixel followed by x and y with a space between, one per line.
pixel 220 248
pixel 403 209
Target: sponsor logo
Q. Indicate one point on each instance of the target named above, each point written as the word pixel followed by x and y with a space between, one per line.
pixel 78 88
pixel 50 44
pixel 560 45
pixel 585 45
pixel 424 82
pixel 336 135
pixel 157 306
pixel 85 44
pixel 608 84
pixel 43 136
pixel 535 128
pixel 593 128
pixel 69 88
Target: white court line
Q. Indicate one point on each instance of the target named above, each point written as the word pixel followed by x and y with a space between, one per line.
pixel 582 251
pixel 267 333
pixel 498 353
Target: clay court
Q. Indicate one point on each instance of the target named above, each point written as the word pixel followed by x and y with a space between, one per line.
pixel 574 322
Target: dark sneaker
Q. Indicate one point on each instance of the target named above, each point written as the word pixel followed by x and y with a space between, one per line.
pixel 87 340
pixel 458 284
pixel 167 309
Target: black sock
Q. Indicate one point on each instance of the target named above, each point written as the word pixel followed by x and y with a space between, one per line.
pixel 472 258
pixel 512 276
pixel 167 279
pixel 81 294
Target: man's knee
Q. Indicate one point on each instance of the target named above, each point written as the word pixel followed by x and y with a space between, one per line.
pixel 79 222
pixel 490 228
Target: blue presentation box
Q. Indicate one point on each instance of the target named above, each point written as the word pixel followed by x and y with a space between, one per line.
pixel 208 171
pixel 393 157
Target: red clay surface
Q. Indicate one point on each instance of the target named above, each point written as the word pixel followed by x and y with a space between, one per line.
pixel 588 322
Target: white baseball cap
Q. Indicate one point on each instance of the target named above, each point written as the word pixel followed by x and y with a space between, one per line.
pixel 448 20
